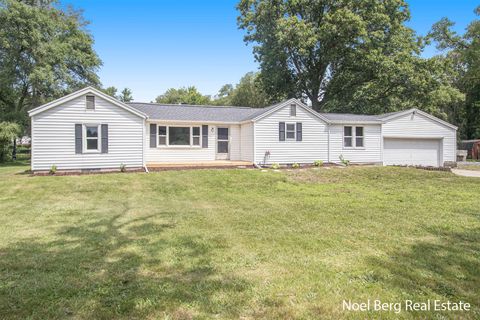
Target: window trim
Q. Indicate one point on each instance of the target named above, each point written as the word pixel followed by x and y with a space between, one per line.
pixel 353 136
pixel 176 146
pixel 94 102
pixel 294 131
pixel 85 138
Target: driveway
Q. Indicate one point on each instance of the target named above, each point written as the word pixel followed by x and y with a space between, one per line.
pixel 466 173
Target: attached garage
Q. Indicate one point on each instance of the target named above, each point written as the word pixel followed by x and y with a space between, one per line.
pixel 423 152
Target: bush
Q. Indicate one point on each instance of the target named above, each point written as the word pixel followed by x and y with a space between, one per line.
pixel 318 163
pixel 295 166
pixel 123 167
pixel 275 166
pixel 53 169
pixel 344 161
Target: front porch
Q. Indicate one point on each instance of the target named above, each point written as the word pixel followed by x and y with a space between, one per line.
pixel 214 164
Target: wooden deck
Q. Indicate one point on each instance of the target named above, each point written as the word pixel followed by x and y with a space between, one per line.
pixel 217 164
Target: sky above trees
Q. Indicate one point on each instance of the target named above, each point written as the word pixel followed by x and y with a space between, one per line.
pixel 150 46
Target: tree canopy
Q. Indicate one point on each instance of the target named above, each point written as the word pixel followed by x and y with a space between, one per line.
pixel 348 56
pixel 187 95
pixel 45 52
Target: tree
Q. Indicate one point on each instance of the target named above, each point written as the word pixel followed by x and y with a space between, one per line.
pixel 355 56
pixel 463 51
pixel 111 91
pixel 44 53
pixel 126 95
pixel 8 132
pixel 188 95
pixel 249 92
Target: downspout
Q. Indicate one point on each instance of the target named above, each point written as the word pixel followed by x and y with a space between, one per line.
pixel 328 143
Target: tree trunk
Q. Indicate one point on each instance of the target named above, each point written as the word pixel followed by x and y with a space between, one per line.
pixel 14 150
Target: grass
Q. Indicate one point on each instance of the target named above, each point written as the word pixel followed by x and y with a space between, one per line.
pixel 236 243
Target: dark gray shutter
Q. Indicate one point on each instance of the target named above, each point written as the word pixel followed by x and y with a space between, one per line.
pixel 204 136
pixel 281 131
pixel 153 135
pixel 104 138
pixel 78 138
pixel 299 131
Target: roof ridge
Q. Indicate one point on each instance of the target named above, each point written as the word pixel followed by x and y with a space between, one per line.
pixel 192 105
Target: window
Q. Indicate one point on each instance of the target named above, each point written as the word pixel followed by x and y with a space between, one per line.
pixel 359 137
pixel 90 102
pixel 179 136
pixel 353 135
pixel 290 130
pixel 347 137
pixel 162 136
pixel 91 137
pixel 293 110
pixel 196 136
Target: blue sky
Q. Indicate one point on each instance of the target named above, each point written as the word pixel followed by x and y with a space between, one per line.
pixel 150 46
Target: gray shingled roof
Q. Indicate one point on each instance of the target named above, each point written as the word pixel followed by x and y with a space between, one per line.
pixel 186 112
pixel 350 117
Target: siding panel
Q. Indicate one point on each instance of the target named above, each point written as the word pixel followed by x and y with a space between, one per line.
pixel 54 136
pixel 371 153
pixel 314 144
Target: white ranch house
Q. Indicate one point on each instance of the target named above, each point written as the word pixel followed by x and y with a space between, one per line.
pixel 91 130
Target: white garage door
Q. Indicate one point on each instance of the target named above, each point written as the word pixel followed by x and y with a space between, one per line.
pixel 425 152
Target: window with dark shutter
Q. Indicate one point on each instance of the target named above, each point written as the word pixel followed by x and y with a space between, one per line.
pixel 90 102
pixel 153 135
pixel 205 136
pixel 281 131
pixel 299 131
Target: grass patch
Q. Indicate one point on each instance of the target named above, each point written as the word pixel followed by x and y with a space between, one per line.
pixel 236 243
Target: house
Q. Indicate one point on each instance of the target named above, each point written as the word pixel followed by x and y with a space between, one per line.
pixel 91 130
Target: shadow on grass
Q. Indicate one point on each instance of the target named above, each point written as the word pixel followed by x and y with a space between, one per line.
pixel 109 269
pixel 445 264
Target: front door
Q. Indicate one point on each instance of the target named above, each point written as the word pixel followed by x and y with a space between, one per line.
pixel 222 143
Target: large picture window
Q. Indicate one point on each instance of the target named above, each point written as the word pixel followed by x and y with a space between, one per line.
pixel 178 136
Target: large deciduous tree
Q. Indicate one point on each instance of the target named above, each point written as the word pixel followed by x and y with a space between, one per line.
pixel 343 55
pixel 188 95
pixel 248 93
pixel 45 52
pixel 463 51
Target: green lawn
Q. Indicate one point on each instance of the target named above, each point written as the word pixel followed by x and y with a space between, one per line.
pixel 236 243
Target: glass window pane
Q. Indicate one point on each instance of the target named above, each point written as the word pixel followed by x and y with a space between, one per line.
pixel 196 131
pixel 347 142
pixel 290 134
pixel 196 141
pixel 290 127
pixel 92 144
pixel 179 136
pixel 222 147
pixel 162 140
pixel 222 133
pixel 92 131
pixel 162 131
pixel 359 142
pixel 347 131
pixel 359 131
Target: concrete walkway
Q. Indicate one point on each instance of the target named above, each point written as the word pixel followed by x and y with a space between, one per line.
pixel 466 173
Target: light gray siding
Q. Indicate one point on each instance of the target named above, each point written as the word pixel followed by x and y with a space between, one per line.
pixel 370 153
pixel 314 145
pixel 246 142
pixel 419 126
pixel 53 136
pixel 235 142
